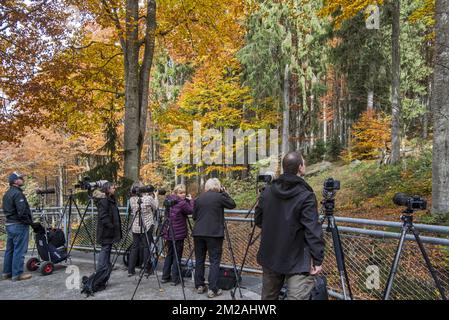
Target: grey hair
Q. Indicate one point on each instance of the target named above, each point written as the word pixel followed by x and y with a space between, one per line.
pixel 212 184
pixel 137 184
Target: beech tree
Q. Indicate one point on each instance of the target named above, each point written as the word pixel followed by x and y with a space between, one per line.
pixel 440 108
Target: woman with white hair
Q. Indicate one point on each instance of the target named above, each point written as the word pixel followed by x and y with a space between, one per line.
pixel 208 233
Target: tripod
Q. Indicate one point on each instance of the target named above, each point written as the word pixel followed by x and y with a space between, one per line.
pixel 407 227
pixel 70 202
pixel 166 223
pixel 231 251
pixel 251 241
pixel 328 203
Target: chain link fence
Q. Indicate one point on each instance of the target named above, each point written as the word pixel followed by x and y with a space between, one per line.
pixel 369 248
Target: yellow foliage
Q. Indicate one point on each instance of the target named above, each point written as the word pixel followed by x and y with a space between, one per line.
pixel 425 13
pixel 370 134
pixel 345 9
pixel 150 175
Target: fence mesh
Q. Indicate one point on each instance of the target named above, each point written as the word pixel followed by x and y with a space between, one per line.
pixel 368 258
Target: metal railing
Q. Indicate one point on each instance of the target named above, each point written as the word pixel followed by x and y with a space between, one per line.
pixel 369 247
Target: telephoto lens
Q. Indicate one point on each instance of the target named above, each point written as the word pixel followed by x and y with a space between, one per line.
pixel 147 189
pixel 45 191
pixel 411 202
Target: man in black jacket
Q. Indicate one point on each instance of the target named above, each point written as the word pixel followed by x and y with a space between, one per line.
pixel 292 246
pixel 18 220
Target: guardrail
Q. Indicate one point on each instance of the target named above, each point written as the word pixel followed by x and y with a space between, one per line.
pixel 369 247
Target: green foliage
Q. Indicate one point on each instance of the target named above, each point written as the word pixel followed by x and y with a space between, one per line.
pixel 318 152
pixel 329 151
pixel 412 176
pixel 242 191
pixel 333 148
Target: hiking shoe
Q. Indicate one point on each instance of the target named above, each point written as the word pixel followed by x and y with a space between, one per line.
pixel 201 289
pixel 23 276
pixel 6 276
pixel 211 294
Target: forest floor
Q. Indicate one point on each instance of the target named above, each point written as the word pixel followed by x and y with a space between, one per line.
pixel 367 189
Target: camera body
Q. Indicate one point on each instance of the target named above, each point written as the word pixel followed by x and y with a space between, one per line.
pixel 331 185
pixel 168 203
pixel 265 178
pixel 86 184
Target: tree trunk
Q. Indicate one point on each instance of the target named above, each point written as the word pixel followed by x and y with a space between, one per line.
pixel 286 112
pixel 325 122
pixel 395 85
pixel 440 108
pixel 137 76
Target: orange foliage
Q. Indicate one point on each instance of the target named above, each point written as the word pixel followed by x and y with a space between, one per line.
pixel 370 134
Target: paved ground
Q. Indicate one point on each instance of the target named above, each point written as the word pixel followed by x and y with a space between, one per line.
pixel 120 287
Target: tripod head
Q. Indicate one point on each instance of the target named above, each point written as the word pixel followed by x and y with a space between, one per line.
pixel 330 188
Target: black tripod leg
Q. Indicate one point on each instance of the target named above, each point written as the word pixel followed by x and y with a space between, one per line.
pixel 340 258
pixel 122 246
pixel 178 260
pixel 233 260
pixel 395 265
pixel 146 262
pixel 87 231
pixel 250 240
pixel 429 264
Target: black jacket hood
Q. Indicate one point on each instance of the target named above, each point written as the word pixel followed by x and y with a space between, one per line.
pixel 288 186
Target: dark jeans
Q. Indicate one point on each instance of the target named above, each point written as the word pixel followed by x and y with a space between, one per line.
pixel 170 264
pixel 299 286
pixel 215 248
pixel 104 257
pixel 140 243
pixel 16 248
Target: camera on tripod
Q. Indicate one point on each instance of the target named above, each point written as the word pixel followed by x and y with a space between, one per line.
pixel 45 191
pixel 168 203
pixel 412 203
pixel 86 184
pixel 330 188
pixel 147 189
pixel 331 185
pixel 266 178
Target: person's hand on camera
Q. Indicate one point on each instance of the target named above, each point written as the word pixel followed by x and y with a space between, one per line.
pixel 156 193
pixel 316 270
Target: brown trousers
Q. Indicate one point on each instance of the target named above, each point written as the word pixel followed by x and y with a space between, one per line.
pixel 299 286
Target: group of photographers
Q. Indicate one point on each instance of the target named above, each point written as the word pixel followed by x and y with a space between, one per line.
pixel 291 249
pixel 208 233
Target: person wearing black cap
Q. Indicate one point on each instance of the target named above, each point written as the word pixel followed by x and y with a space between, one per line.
pixel 18 220
pixel 109 229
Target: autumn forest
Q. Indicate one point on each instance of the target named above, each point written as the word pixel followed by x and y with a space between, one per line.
pixel 96 88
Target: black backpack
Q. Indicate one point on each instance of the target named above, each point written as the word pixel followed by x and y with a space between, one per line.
pixel 227 278
pixel 96 282
pixel 319 292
